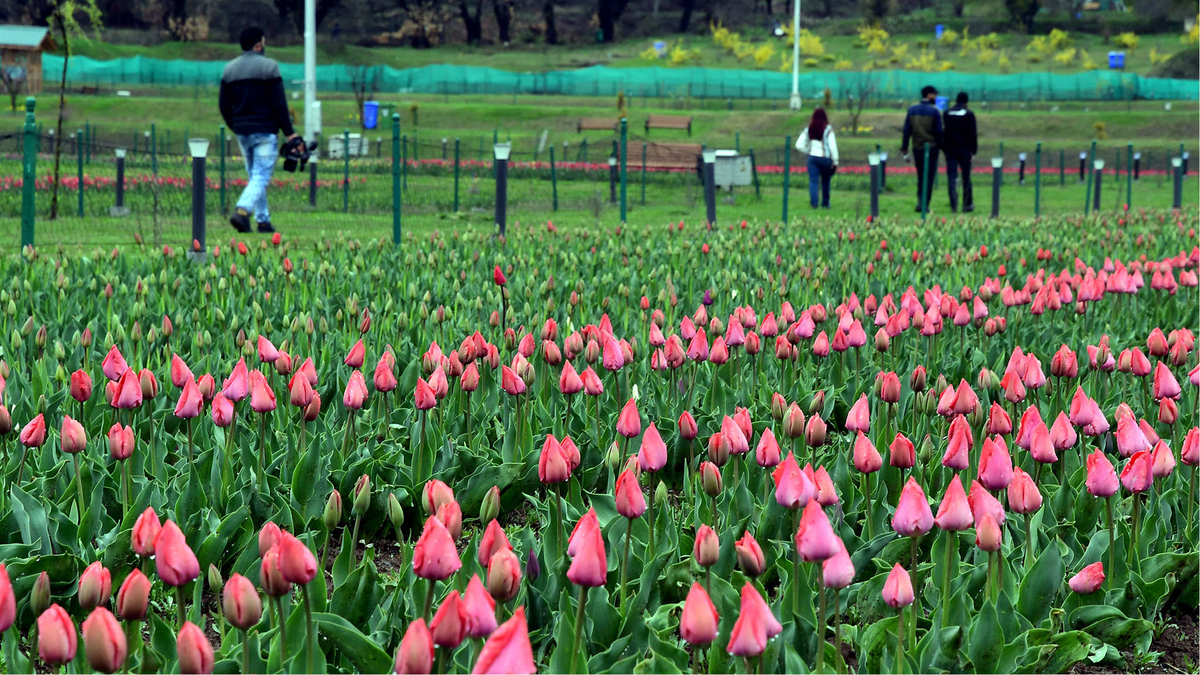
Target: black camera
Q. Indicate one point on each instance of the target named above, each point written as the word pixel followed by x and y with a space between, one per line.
pixel 296 153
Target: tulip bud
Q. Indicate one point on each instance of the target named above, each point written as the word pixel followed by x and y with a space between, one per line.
pixel 882 341
pixel 778 406
pixel 660 495
pixel 533 569
pixel 489 509
pixel 333 510
pixel 215 581
pixel 817 404
pixel 710 478
pixel 362 495
pixel 395 512
pixel 39 597
pixel 613 457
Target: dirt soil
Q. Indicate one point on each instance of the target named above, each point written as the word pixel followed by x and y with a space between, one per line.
pixel 1178 646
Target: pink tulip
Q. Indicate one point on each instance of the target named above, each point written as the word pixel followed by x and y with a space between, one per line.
pixel 913 516
pixel 897 588
pixel 1088 580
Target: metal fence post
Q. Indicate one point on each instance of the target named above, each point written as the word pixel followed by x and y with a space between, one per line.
pixel 1037 180
pixel 754 173
pixel 118 208
pixel 1177 165
pixel 787 173
pixel 500 165
pixel 404 161
pixel 997 172
pixel 873 163
pixel 553 181
pixel 221 139
pixel 29 175
pixel 397 193
pixel 624 164
pixel 312 182
pixel 87 139
pixel 1087 193
pixel 612 179
pixel 1062 167
pixel 456 173
pixel 710 188
pixel 199 149
pixel 345 171
pixel 79 155
pixel 643 173
pixel 153 149
pixel 1129 177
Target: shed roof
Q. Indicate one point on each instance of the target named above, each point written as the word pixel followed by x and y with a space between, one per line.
pixel 30 37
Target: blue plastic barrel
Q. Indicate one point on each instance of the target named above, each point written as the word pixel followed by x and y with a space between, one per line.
pixel 370 114
pixel 938 30
pixel 1112 60
pixel 1121 60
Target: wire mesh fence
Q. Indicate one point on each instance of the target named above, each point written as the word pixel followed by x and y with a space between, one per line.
pixel 349 186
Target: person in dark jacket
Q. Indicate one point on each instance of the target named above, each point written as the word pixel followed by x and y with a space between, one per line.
pixel 923 125
pixel 254 108
pixel 961 145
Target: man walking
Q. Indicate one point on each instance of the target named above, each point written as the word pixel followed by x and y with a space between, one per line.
pixel 254 107
pixel 923 125
pixel 961 146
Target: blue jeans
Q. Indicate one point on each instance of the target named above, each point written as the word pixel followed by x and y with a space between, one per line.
pixel 820 170
pixel 259 152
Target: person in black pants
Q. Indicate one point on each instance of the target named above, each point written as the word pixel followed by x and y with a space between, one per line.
pixel 922 125
pixel 961 146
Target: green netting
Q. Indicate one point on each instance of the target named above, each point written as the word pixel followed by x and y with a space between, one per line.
pixel 656 82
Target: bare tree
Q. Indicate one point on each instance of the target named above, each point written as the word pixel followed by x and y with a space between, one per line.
pixel 609 12
pixel 473 24
pixel 855 95
pixel 503 9
pixel 551 25
pixel 364 81
pixel 14 82
pixel 65 17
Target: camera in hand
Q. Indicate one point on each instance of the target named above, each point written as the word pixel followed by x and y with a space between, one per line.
pixel 296 153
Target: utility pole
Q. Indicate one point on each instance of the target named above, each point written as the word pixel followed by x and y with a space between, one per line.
pixel 310 70
pixel 795 102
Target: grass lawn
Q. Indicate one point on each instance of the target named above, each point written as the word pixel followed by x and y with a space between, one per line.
pixel 472 119
pixel 583 205
pixel 627 54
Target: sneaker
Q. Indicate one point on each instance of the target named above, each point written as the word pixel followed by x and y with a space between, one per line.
pixel 240 220
pixel 265 228
pixel 968 209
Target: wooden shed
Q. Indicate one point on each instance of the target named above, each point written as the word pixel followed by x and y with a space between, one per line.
pixel 21 48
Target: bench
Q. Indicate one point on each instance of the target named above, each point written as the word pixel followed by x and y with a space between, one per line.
pixel 596 124
pixel 669 122
pixel 664 155
pixel 89 89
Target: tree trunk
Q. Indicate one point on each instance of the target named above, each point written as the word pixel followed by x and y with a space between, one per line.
pixel 62 101
pixel 471 23
pixel 551 27
pixel 604 11
pixel 958 9
pixel 769 7
pixel 686 17
pixel 829 7
pixel 503 11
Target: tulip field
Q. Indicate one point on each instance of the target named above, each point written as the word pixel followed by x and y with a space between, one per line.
pixel 841 446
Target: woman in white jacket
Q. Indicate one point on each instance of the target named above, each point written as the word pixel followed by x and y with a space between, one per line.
pixel 818 142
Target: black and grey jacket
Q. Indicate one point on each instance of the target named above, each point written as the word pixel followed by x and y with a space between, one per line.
pixel 252 99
